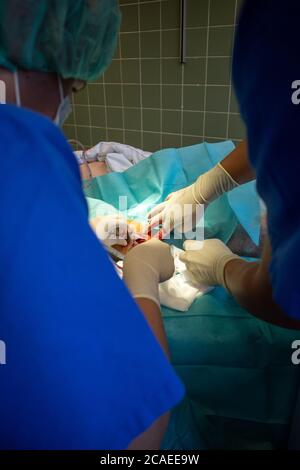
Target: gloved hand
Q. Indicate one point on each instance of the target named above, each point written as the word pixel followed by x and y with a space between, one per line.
pixel 206 260
pixel 145 266
pixel 206 189
pixel 171 215
pixel 112 229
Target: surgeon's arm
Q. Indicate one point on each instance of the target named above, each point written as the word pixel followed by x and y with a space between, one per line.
pixel 144 267
pixel 237 164
pixel 250 284
pixel 233 170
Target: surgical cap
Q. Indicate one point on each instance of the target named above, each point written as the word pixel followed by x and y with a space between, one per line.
pixel 74 38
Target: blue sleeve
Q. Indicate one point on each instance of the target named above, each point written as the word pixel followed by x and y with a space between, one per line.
pixel 83 369
pixel 265 65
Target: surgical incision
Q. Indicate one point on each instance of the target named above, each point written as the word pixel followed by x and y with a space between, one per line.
pixel 122 234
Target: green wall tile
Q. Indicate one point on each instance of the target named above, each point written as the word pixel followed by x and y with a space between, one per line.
pixel 133 138
pixel 150 71
pixel 117 50
pixel 160 85
pixel 130 20
pixel 197 12
pixel 98 80
pixel 170 10
pixel 171 140
pixel 151 120
pixel 130 45
pixel 98 135
pixel 115 135
pixel 171 96
pixel 81 97
pixel 114 117
pixel 217 98
pixel 192 123
pixel 113 95
pixel 237 128
pixel 196 42
pixel 81 116
pixel 69 132
pixel 150 16
pixel 222 12
pixel 96 94
pixel 151 141
pixel 194 71
pixel 131 95
pixel 113 73
pixel 130 71
pixel 171 71
pixel 193 98
pixel 98 116
pixel 132 119
pixel 84 136
pixel 150 44
pixel 213 140
pixel 71 119
pixel 171 43
pixel 151 96
pixel 171 121
pixel 218 71
pixel 216 125
pixel 220 41
pixel 191 140
pixel 234 106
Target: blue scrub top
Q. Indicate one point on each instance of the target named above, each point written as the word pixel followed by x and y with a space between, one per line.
pixel 83 370
pixel 266 62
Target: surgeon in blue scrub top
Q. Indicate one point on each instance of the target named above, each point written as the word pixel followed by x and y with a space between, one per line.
pixel 266 72
pixel 86 365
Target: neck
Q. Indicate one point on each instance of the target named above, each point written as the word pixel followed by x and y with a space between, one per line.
pixel 38 91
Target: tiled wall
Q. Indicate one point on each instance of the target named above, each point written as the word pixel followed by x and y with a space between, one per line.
pixel 147 98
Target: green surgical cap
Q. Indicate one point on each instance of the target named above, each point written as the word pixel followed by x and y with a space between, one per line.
pixel 74 38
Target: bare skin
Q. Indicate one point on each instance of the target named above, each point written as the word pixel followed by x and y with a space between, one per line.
pixel 94 169
pixel 237 164
pixel 40 93
pixel 249 283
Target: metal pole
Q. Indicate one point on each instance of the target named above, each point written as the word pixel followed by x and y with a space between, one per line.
pixel 183 32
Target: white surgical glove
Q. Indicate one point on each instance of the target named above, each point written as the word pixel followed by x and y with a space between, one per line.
pixel 206 260
pixel 206 189
pixel 112 229
pixel 145 266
